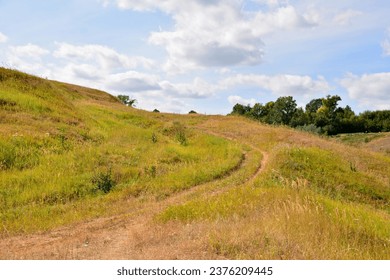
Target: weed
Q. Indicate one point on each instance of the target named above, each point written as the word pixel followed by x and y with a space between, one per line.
pixel 352 166
pixel 154 138
pixel 151 171
pixel 182 138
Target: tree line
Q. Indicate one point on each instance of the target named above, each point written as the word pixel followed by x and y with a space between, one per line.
pixel 321 115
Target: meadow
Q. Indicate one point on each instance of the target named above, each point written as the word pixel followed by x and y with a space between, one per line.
pixel 78 167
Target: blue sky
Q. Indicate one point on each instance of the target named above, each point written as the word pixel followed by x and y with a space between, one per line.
pixel 206 56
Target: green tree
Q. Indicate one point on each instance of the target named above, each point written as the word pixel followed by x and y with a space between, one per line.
pixel 299 118
pixel 326 116
pixel 125 99
pixel 258 112
pixel 282 110
pixel 240 109
pixel 312 108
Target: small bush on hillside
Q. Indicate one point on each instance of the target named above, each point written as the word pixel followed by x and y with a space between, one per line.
pixel 103 181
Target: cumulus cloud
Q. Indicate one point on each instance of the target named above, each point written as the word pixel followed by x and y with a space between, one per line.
pixel 234 99
pixel 371 90
pixel 3 38
pixel 106 57
pixel 132 81
pixel 157 100
pixel 29 50
pixel 27 58
pixel 197 89
pixel 216 33
pixel 280 85
pixel 85 72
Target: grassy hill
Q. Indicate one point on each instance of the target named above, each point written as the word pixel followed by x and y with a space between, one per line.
pixel 83 176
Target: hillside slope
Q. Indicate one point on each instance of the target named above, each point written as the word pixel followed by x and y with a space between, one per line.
pixel 84 177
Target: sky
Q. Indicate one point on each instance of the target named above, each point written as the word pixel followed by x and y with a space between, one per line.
pixel 205 55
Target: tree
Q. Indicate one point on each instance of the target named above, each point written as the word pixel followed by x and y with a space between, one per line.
pixel 125 99
pixel 240 109
pixel 313 105
pixel 258 112
pixel 312 108
pixel 299 118
pixel 282 110
pixel 326 116
pixel 376 121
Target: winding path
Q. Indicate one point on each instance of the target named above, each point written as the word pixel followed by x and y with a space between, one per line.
pixel 133 235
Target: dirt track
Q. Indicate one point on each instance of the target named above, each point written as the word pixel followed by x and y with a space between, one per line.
pixel 133 235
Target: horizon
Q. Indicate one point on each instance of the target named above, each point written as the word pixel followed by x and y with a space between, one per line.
pixel 205 56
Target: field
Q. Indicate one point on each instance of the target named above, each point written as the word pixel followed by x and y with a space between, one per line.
pixel 84 177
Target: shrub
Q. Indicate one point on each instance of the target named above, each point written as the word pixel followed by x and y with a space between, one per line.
pixel 103 181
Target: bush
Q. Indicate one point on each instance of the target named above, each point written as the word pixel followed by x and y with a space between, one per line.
pixel 103 181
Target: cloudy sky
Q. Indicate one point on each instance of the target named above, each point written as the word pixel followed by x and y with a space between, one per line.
pixel 205 55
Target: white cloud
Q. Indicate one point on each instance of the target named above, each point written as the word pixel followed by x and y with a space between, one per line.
pixel 29 50
pixel 281 85
pixel 216 33
pixel 84 72
pixel 234 99
pixel 158 100
pixel 271 3
pixel 27 58
pixel 132 81
pixel 3 38
pixel 197 89
pixel 106 57
pixel 370 90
